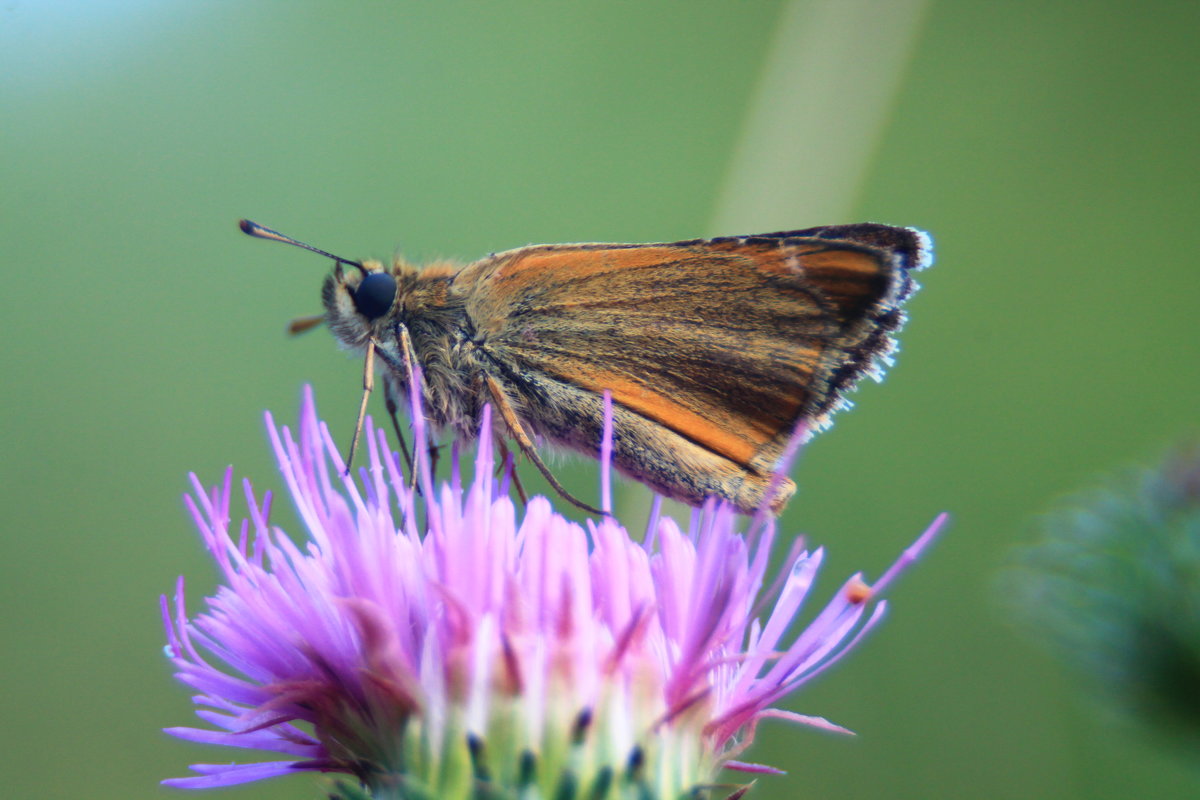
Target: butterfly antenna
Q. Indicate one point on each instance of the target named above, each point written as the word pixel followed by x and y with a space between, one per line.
pixel 259 232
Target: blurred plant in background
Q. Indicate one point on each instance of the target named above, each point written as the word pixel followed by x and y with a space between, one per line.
pixel 1113 589
pixel 460 651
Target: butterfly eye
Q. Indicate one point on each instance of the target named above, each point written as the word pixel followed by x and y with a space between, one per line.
pixel 375 295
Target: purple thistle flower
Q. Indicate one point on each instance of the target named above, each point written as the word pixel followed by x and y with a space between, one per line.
pixel 486 649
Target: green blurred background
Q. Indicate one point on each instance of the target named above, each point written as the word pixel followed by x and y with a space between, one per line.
pixel 1049 147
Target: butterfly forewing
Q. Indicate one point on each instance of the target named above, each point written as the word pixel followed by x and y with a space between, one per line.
pixel 727 342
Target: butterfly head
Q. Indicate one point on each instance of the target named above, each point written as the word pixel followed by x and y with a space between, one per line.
pixel 359 299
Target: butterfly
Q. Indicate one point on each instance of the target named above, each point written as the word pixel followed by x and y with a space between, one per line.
pixel 714 351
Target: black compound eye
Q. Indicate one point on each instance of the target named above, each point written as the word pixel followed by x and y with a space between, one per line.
pixel 375 295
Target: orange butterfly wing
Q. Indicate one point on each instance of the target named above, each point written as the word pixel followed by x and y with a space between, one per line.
pixel 727 342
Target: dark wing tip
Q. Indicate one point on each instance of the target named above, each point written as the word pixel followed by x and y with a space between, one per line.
pixel 912 246
pixel 873 348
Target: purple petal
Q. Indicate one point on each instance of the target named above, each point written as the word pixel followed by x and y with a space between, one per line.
pixel 218 775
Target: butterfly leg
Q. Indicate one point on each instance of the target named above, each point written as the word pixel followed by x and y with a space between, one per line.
pixel 526 444
pixel 505 454
pixel 432 449
pixel 368 385
pixel 392 407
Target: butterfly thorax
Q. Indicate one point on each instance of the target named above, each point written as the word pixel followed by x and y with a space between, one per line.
pixel 433 314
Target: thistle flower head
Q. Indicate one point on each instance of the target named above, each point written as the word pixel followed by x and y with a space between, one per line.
pixel 1113 587
pixel 442 644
